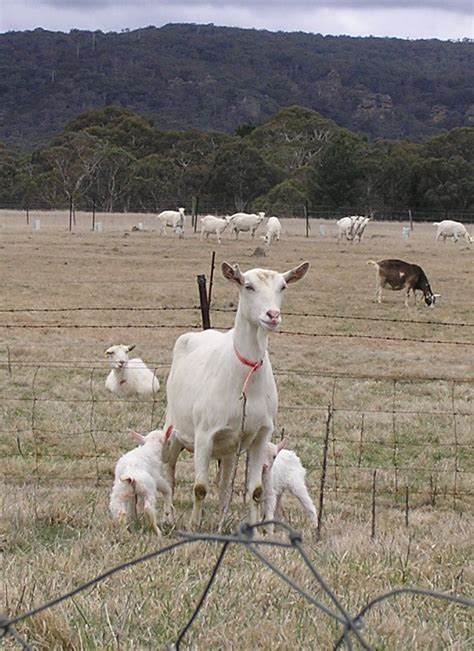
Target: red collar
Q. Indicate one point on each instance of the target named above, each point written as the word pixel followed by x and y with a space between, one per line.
pixel 254 366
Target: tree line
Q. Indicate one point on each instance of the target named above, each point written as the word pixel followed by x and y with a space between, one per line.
pixel 116 160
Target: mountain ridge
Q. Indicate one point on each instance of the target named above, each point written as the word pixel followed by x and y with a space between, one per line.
pixel 186 76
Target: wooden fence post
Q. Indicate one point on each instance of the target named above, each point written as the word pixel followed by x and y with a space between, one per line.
pixel 204 303
pixel 306 215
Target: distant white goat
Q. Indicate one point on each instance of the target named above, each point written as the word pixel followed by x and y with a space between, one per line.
pixel 360 227
pixel 210 371
pixel 214 225
pixel 139 473
pixel 349 227
pixel 283 470
pixel 172 218
pixel 242 221
pixel 129 376
pixel 450 228
pixel 273 231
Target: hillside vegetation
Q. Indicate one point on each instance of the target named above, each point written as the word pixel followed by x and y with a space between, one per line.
pixel 217 78
pixel 116 160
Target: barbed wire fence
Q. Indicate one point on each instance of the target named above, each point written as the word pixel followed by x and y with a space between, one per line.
pixel 93 425
pixel 351 627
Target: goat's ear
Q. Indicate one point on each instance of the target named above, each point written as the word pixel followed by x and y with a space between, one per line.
pixel 129 348
pixel 436 295
pixel 281 445
pixel 232 273
pixel 296 274
pixel 136 436
pixel 109 351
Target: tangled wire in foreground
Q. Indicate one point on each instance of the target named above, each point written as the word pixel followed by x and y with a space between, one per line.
pixel 351 625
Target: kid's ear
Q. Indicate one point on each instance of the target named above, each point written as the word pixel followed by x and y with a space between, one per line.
pixel 281 445
pixel 136 436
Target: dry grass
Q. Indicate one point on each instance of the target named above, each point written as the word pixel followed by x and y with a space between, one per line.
pixel 61 434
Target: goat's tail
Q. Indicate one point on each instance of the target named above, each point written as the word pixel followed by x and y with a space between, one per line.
pixel 138 479
pixel 376 264
pixel 436 223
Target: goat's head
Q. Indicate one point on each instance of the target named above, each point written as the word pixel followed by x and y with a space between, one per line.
pixel 271 452
pixel 261 292
pixel 118 355
pixel 430 299
pixel 153 437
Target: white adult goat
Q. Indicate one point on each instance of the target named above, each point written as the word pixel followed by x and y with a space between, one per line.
pixel 273 231
pixel 450 228
pixel 348 227
pixel 283 470
pixel 359 227
pixel 172 218
pixel 210 372
pixel 214 225
pixel 129 376
pixel 139 473
pixel 242 221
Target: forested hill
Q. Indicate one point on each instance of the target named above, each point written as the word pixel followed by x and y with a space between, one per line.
pixel 217 78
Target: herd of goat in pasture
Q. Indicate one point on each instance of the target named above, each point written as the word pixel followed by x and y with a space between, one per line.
pixel 236 366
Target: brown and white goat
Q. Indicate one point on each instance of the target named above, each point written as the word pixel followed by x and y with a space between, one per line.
pixel 397 274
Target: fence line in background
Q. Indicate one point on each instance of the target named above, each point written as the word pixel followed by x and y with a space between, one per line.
pixel 317 315
pixel 161 326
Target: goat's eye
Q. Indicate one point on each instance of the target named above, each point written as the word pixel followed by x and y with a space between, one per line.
pixel 250 288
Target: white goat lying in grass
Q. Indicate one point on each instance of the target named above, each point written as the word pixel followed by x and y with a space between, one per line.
pixel 209 373
pixel 282 471
pixel 129 376
pixel 139 473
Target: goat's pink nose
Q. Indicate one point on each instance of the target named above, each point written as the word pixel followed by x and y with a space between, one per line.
pixel 273 315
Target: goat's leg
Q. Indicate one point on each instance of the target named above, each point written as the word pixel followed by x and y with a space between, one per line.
pixel 256 458
pixel 202 459
pixel 225 477
pixel 150 514
pixel 171 452
pixel 300 491
pixel 165 489
pixel 378 293
pixel 269 508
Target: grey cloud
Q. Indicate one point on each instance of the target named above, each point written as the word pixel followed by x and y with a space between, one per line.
pixel 458 6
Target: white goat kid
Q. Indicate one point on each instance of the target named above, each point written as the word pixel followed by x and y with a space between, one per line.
pixel 139 473
pixel 129 376
pixel 273 231
pixel 214 225
pixel 283 470
pixel 172 218
pixel 210 372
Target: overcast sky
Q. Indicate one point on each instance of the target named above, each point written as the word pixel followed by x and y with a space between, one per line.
pixel 443 19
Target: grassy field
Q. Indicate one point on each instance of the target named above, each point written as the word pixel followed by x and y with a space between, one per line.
pixel 399 382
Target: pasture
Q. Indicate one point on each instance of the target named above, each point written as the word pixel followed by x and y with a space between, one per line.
pixel 389 389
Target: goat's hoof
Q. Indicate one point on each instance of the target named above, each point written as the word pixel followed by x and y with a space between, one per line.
pixel 200 491
pixel 257 494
